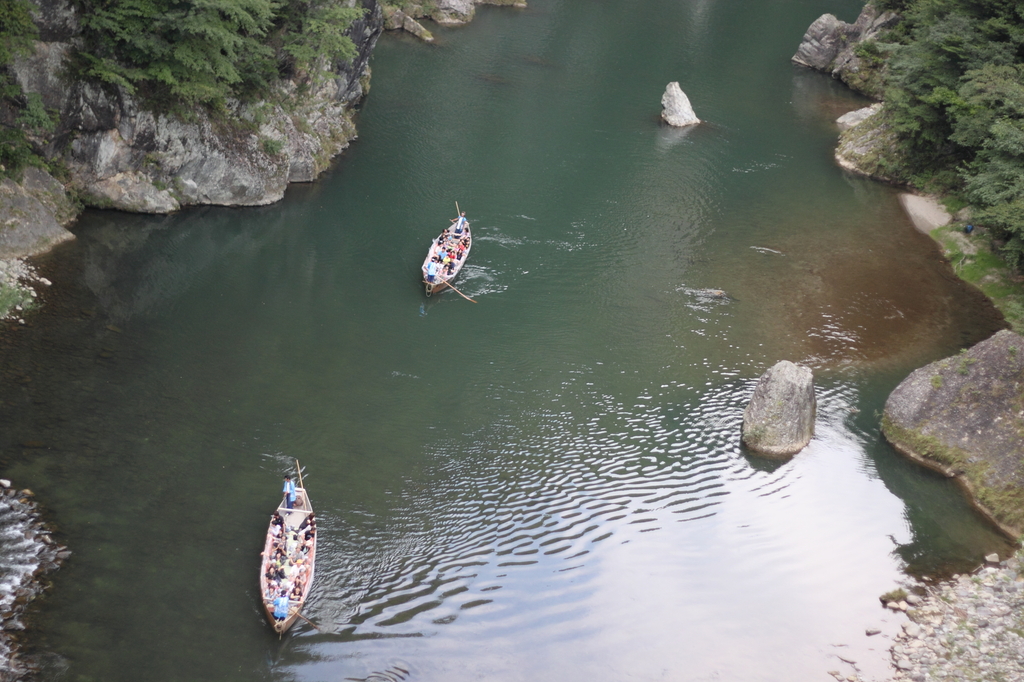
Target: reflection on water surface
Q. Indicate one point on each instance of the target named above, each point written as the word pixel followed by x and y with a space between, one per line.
pixel 546 484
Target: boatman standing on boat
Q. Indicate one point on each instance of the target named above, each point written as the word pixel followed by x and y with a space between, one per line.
pixel 281 606
pixel 431 271
pixel 289 492
pixel 460 222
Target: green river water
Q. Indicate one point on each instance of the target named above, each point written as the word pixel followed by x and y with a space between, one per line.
pixel 546 484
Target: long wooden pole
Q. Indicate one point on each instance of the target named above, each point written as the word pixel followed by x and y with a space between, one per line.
pixel 308 621
pixel 460 293
pixel 299 470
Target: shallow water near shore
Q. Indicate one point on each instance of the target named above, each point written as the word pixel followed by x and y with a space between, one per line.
pixel 548 483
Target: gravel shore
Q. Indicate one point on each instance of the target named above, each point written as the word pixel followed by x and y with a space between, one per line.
pixel 17 292
pixel 27 553
pixel 968 628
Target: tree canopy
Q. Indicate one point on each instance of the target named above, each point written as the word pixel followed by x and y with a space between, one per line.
pixel 956 98
pixel 19 113
pixel 202 51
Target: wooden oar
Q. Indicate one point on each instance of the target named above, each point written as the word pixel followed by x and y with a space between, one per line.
pixel 308 621
pixel 459 292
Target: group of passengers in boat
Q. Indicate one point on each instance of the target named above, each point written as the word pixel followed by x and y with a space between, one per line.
pixel 288 563
pixel 448 249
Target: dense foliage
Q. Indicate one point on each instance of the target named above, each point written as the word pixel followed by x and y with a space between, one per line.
pixel 19 114
pixel 956 98
pixel 203 51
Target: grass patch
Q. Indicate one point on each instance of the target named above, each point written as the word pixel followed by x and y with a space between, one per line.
pixel 975 259
pixel 896 595
pixel 14 296
pixel 272 147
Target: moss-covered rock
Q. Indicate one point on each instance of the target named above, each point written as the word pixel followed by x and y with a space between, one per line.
pixel 869 148
pixel 964 416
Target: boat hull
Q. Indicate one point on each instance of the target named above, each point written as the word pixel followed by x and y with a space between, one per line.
pixel 293 521
pixel 440 282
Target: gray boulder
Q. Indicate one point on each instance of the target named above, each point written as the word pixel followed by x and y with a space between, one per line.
pixel 822 42
pixel 964 416
pixel 32 214
pixel 854 118
pixel 676 107
pixel 779 420
pixel 397 20
pixel 454 12
pixel 871 148
pixel 830 45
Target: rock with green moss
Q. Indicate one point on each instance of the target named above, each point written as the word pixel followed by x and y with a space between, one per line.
pixel 849 52
pixel 779 420
pixel 870 148
pixel 964 416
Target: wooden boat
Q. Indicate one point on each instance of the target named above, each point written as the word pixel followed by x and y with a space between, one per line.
pixel 448 238
pixel 297 520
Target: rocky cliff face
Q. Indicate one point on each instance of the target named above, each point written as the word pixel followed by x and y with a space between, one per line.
pixel 122 156
pixel 444 12
pixel 964 416
pixel 32 214
pixel 830 45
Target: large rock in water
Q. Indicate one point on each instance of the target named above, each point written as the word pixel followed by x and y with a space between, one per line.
pixel 964 416
pixel 677 110
pixel 829 45
pixel 779 421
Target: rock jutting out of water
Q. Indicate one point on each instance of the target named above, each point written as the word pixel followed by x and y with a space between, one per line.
pixel 830 45
pixel 676 107
pixel 27 552
pixel 962 416
pixel 779 420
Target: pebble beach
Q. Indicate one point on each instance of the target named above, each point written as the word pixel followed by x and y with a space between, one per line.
pixel 27 553
pixel 968 628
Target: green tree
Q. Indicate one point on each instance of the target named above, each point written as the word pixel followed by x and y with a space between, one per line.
pixel 187 52
pixel 316 28
pixel 17 112
pixel 195 51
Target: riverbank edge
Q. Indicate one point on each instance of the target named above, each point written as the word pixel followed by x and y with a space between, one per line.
pixel 970 627
pixel 37 534
pixel 945 648
pixel 866 149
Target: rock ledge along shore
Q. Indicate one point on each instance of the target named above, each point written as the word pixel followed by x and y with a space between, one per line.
pixel 970 628
pixel 27 553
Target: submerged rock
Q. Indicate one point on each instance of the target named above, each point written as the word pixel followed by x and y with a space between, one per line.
pixel 397 20
pixel 964 416
pixel 779 420
pixel 676 107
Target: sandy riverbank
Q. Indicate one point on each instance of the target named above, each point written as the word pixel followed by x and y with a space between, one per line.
pixel 925 212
